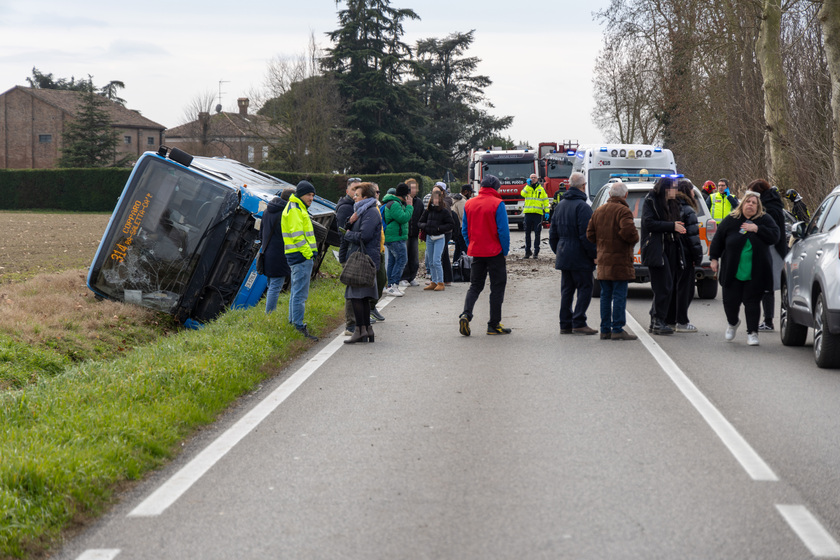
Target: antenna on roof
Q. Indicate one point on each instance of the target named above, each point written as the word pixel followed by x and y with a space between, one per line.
pixel 219 106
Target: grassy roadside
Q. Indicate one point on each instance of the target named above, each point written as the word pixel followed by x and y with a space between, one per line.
pixel 72 437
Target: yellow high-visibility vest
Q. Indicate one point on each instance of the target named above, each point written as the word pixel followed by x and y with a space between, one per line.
pixel 298 233
pixel 536 200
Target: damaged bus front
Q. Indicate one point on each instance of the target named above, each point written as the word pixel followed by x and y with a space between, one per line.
pixel 185 233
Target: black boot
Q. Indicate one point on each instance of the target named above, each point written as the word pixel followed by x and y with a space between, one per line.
pixel 658 326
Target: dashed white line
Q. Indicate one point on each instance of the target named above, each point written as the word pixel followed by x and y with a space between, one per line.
pixel 737 445
pixel 99 554
pixel 810 530
pixel 181 481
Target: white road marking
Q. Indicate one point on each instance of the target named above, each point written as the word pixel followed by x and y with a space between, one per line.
pixel 99 554
pixel 813 534
pixel 737 445
pixel 181 481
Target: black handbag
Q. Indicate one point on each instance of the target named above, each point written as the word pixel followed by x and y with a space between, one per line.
pixel 359 270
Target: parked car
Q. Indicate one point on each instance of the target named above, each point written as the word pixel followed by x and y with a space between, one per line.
pixel 638 186
pixel 811 284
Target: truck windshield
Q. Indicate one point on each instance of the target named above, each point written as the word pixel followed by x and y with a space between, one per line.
pixel 559 170
pixel 152 245
pixel 509 172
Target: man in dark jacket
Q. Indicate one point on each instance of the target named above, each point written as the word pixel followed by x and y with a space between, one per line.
pixel 614 233
pixel 575 256
pixel 344 207
pixel 274 253
pixel 771 200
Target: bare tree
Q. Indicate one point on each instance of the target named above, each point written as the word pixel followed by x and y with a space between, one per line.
pixel 196 120
pixel 829 16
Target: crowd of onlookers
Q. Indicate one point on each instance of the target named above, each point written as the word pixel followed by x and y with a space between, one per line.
pixel 746 252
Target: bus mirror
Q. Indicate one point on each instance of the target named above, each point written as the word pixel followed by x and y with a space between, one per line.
pixel 472 174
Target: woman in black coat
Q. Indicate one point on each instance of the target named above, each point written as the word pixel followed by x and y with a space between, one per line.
pixel 436 221
pixel 692 251
pixel 740 254
pixel 364 227
pixel 771 200
pixel 274 251
pixel 661 249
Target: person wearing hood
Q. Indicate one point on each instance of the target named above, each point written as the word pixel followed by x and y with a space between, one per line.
pixel 301 249
pixel 397 212
pixel 274 254
pixel 692 255
pixel 365 230
pixel 772 203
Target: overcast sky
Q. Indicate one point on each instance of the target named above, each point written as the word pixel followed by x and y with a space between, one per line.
pixel 540 56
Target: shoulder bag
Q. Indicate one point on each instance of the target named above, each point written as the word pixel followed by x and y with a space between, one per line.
pixel 359 270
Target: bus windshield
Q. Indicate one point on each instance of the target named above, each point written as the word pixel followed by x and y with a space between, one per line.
pixel 153 243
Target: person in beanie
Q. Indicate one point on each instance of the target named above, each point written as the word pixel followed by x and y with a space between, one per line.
pixel 486 232
pixel 397 212
pixel 301 247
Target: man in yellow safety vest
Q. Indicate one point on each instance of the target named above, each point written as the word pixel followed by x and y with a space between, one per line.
pixel 722 202
pixel 535 211
pixel 301 248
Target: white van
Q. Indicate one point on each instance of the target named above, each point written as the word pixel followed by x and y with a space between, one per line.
pixel 598 161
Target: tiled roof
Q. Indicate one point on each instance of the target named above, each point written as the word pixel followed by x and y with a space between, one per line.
pixel 229 125
pixel 69 102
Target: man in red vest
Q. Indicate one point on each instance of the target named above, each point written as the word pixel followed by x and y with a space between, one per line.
pixel 487 235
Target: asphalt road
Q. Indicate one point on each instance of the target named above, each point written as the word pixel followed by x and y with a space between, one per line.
pixel 428 444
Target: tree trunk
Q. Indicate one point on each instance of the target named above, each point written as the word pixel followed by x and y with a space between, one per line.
pixel 769 52
pixel 829 16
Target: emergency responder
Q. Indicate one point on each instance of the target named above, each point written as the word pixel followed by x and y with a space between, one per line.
pixel 800 211
pixel 301 250
pixel 535 211
pixel 722 201
pixel 707 191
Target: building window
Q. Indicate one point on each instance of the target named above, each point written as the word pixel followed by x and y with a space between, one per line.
pixel 250 154
pixel 150 140
pixel 45 138
pixel 127 140
pixel 265 153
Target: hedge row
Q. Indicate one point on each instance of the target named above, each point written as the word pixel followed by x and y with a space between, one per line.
pixel 97 190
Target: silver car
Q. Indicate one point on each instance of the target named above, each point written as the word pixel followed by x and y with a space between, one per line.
pixel 811 284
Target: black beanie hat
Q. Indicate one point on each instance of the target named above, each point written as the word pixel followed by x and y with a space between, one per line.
pixel 304 187
pixel 402 190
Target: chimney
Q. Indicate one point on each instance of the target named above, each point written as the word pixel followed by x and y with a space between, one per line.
pixel 243 106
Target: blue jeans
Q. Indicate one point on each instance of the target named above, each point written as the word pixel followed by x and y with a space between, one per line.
pixel 301 276
pixel 434 251
pixel 275 284
pixel 613 305
pixel 397 259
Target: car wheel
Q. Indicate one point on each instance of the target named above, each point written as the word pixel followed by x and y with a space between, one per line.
pixel 826 345
pixel 596 288
pixel 792 334
pixel 707 288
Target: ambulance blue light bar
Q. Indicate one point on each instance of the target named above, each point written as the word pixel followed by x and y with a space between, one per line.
pixel 603 148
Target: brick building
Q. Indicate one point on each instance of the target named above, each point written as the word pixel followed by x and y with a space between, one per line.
pixel 240 136
pixel 32 122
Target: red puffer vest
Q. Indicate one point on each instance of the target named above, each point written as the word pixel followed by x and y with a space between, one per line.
pixel 482 229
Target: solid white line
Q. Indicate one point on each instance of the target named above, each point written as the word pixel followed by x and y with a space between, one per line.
pixel 181 481
pixel 99 554
pixel 813 534
pixel 738 446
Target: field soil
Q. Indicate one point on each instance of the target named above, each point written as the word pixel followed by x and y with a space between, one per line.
pixel 34 243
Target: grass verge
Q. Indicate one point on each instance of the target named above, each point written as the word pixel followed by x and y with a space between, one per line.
pixel 71 438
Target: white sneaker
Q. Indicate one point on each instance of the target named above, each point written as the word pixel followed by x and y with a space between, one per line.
pixel 404 284
pixel 730 331
pixel 393 291
pixel 685 328
pixel 413 283
pixel 752 339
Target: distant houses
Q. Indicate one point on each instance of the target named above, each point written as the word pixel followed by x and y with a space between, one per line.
pixel 32 121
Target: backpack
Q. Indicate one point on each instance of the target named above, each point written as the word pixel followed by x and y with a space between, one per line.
pixel 382 212
pixel 462 268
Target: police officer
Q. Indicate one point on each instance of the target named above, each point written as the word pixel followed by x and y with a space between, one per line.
pixel 536 209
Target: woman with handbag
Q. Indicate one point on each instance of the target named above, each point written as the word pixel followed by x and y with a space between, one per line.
pixel 436 221
pixel 363 236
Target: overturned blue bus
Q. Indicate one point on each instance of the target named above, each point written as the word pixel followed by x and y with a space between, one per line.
pixel 184 236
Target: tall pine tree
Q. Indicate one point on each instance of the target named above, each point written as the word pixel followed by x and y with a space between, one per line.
pixel 368 61
pixel 91 140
